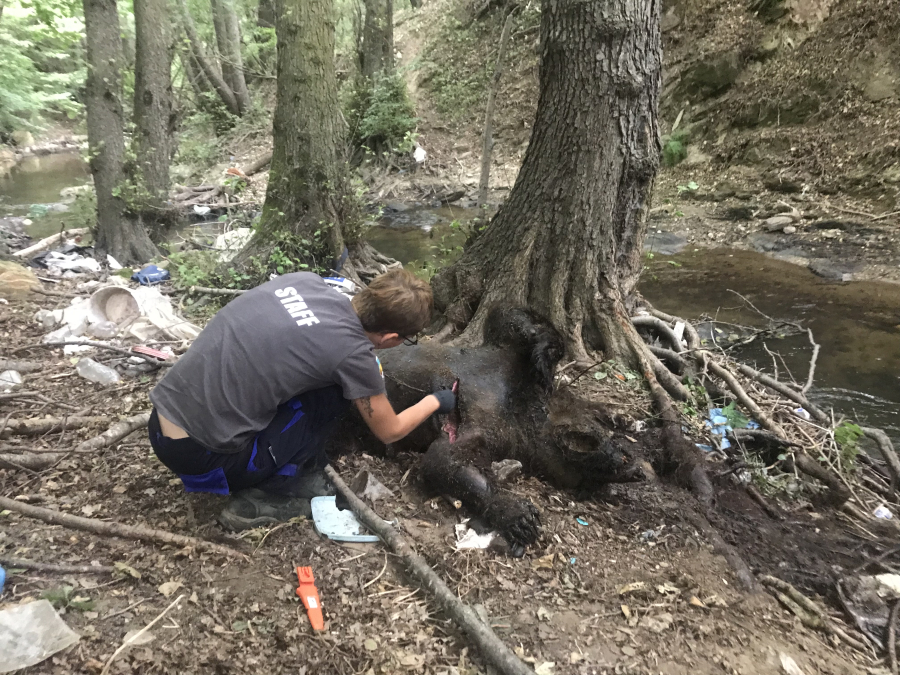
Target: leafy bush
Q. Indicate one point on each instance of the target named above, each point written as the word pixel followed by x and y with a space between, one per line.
pixel 381 115
pixel 674 147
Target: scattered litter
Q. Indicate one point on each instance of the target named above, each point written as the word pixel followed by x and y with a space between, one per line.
pixel 68 258
pixel 573 560
pixel 336 524
pixel 889 585
pixel 30 633
pixel 232 242
pixel 9 380
pixel 718 424
pixel 150 275
pixel 309 594
pixel 201 210
pixel 343 286
pixel 883 512
pixel 581 521
pixel 469 538
pixel 143 312
pixel 704 447
pixel 638 426
pixel 419 154
pixel 113 263
pixel 163 354
pixel 802 414
pixel 2 579
pixel 506 470
pixel 96 372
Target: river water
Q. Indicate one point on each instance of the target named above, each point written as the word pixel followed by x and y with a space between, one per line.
pixel 857 323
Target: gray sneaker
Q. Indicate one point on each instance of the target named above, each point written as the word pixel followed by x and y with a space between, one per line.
pixel 254 508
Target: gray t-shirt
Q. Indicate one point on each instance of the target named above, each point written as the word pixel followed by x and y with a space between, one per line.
pixel 283 338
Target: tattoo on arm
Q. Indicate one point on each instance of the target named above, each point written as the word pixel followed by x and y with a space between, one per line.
pixel 367 405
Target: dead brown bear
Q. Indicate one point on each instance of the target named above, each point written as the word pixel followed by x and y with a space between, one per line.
pixel 507 409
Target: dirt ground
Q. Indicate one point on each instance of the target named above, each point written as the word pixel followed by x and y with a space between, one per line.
pixel 622 584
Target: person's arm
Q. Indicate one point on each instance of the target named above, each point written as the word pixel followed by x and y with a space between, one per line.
pixel 387 425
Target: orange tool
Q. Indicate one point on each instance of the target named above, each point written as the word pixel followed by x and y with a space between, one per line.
pixel 309 594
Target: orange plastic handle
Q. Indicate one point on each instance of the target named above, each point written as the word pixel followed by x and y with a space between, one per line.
pixel 309 594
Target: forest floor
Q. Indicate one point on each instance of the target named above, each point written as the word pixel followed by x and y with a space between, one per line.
pixel 623 584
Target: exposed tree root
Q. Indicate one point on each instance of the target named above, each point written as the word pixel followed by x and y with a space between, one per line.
pixel 809 613
pixel 887 453
pixel 113 529
pixel 494 651
pixel 48 424
pixel 22 564
pixel 743 571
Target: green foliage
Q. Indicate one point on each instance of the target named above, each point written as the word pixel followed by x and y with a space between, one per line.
pixel 674 147
pixel 381 114
pixel 687 187
pixel 847 436
pixel 735 417
pixel 65 597
pixel 259 52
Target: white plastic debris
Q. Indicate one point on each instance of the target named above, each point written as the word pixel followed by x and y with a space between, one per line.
pixel 96 372
pixel 201 210
pixel 802 413
pixel 57 263
pixel 883 512
pixel 9 380
pixel 419 155
pixel 338 525
pixel 31 633
pixel 46 318
pixel 113 263
pixel 889 585
pixel 143 312
pixel 103 330
pixel 230 243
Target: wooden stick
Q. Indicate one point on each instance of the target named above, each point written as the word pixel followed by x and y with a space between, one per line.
pixel 134 637
pixel 52 567
pixel 113 529
pixel 30 462
pixel 494 651
pixel 49 241
pixel 812 362
pixel 887 453
pixel 21 366
pixel 116 432
pixel 786 391
pixel 215 291
pixel 48 424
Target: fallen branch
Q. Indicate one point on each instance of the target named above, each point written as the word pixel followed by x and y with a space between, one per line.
pixel 809 613
pixel 47 424
pixel 116 432
pixel 29 462
pixel 258 164
pixel 113 529
pixel 785 390
pixel 494 651
pixel 812 362
pixel 20 563
pixel 49 241
pixel 215 291
pixel 21 366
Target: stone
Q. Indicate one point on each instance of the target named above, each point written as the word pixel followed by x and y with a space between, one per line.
pixel 665 243
pixel 777 223
pixel 22 138
pixel 832 270
pixel 790 229
pixel 16 281
pixel 711 77
pixel 763 242
pixel 695 157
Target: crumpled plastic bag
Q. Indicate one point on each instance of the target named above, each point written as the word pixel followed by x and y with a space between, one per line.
pixel 31 633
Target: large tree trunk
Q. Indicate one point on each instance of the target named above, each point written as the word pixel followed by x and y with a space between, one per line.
pixel 568 241
pixel 213 76
pixel 303 194
pixel 118 232
pixel 228 37
pixel 154 115
pixel 377 52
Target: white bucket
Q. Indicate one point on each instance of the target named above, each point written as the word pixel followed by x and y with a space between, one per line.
pixel 115 304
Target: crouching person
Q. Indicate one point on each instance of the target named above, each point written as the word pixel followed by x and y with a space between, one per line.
pixel 246 411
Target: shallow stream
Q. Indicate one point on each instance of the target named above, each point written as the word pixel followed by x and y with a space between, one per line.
pixel 857 323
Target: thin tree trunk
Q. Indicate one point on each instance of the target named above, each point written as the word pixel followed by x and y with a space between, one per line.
pixel 304 178
pixel 487 138
pixel 213 76
pixel 154 115
pixel 568 241
pixel 377 53
pixel 228 37
pixel 118 232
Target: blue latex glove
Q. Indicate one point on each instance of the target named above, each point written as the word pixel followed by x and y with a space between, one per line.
pixel 447 399
pixel 2 579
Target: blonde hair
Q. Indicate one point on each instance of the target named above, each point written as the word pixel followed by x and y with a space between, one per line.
pixel 395 302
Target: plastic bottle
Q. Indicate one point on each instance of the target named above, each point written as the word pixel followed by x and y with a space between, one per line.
pixel 96 372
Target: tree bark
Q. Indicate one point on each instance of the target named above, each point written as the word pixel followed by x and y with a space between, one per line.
pixel 377 52
pixel 228 37
pixel 118 232
pixel 568 242
pixel 487 137
pixel 213 76
pixel 304 180
pixel 265 14
pixel 154 115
